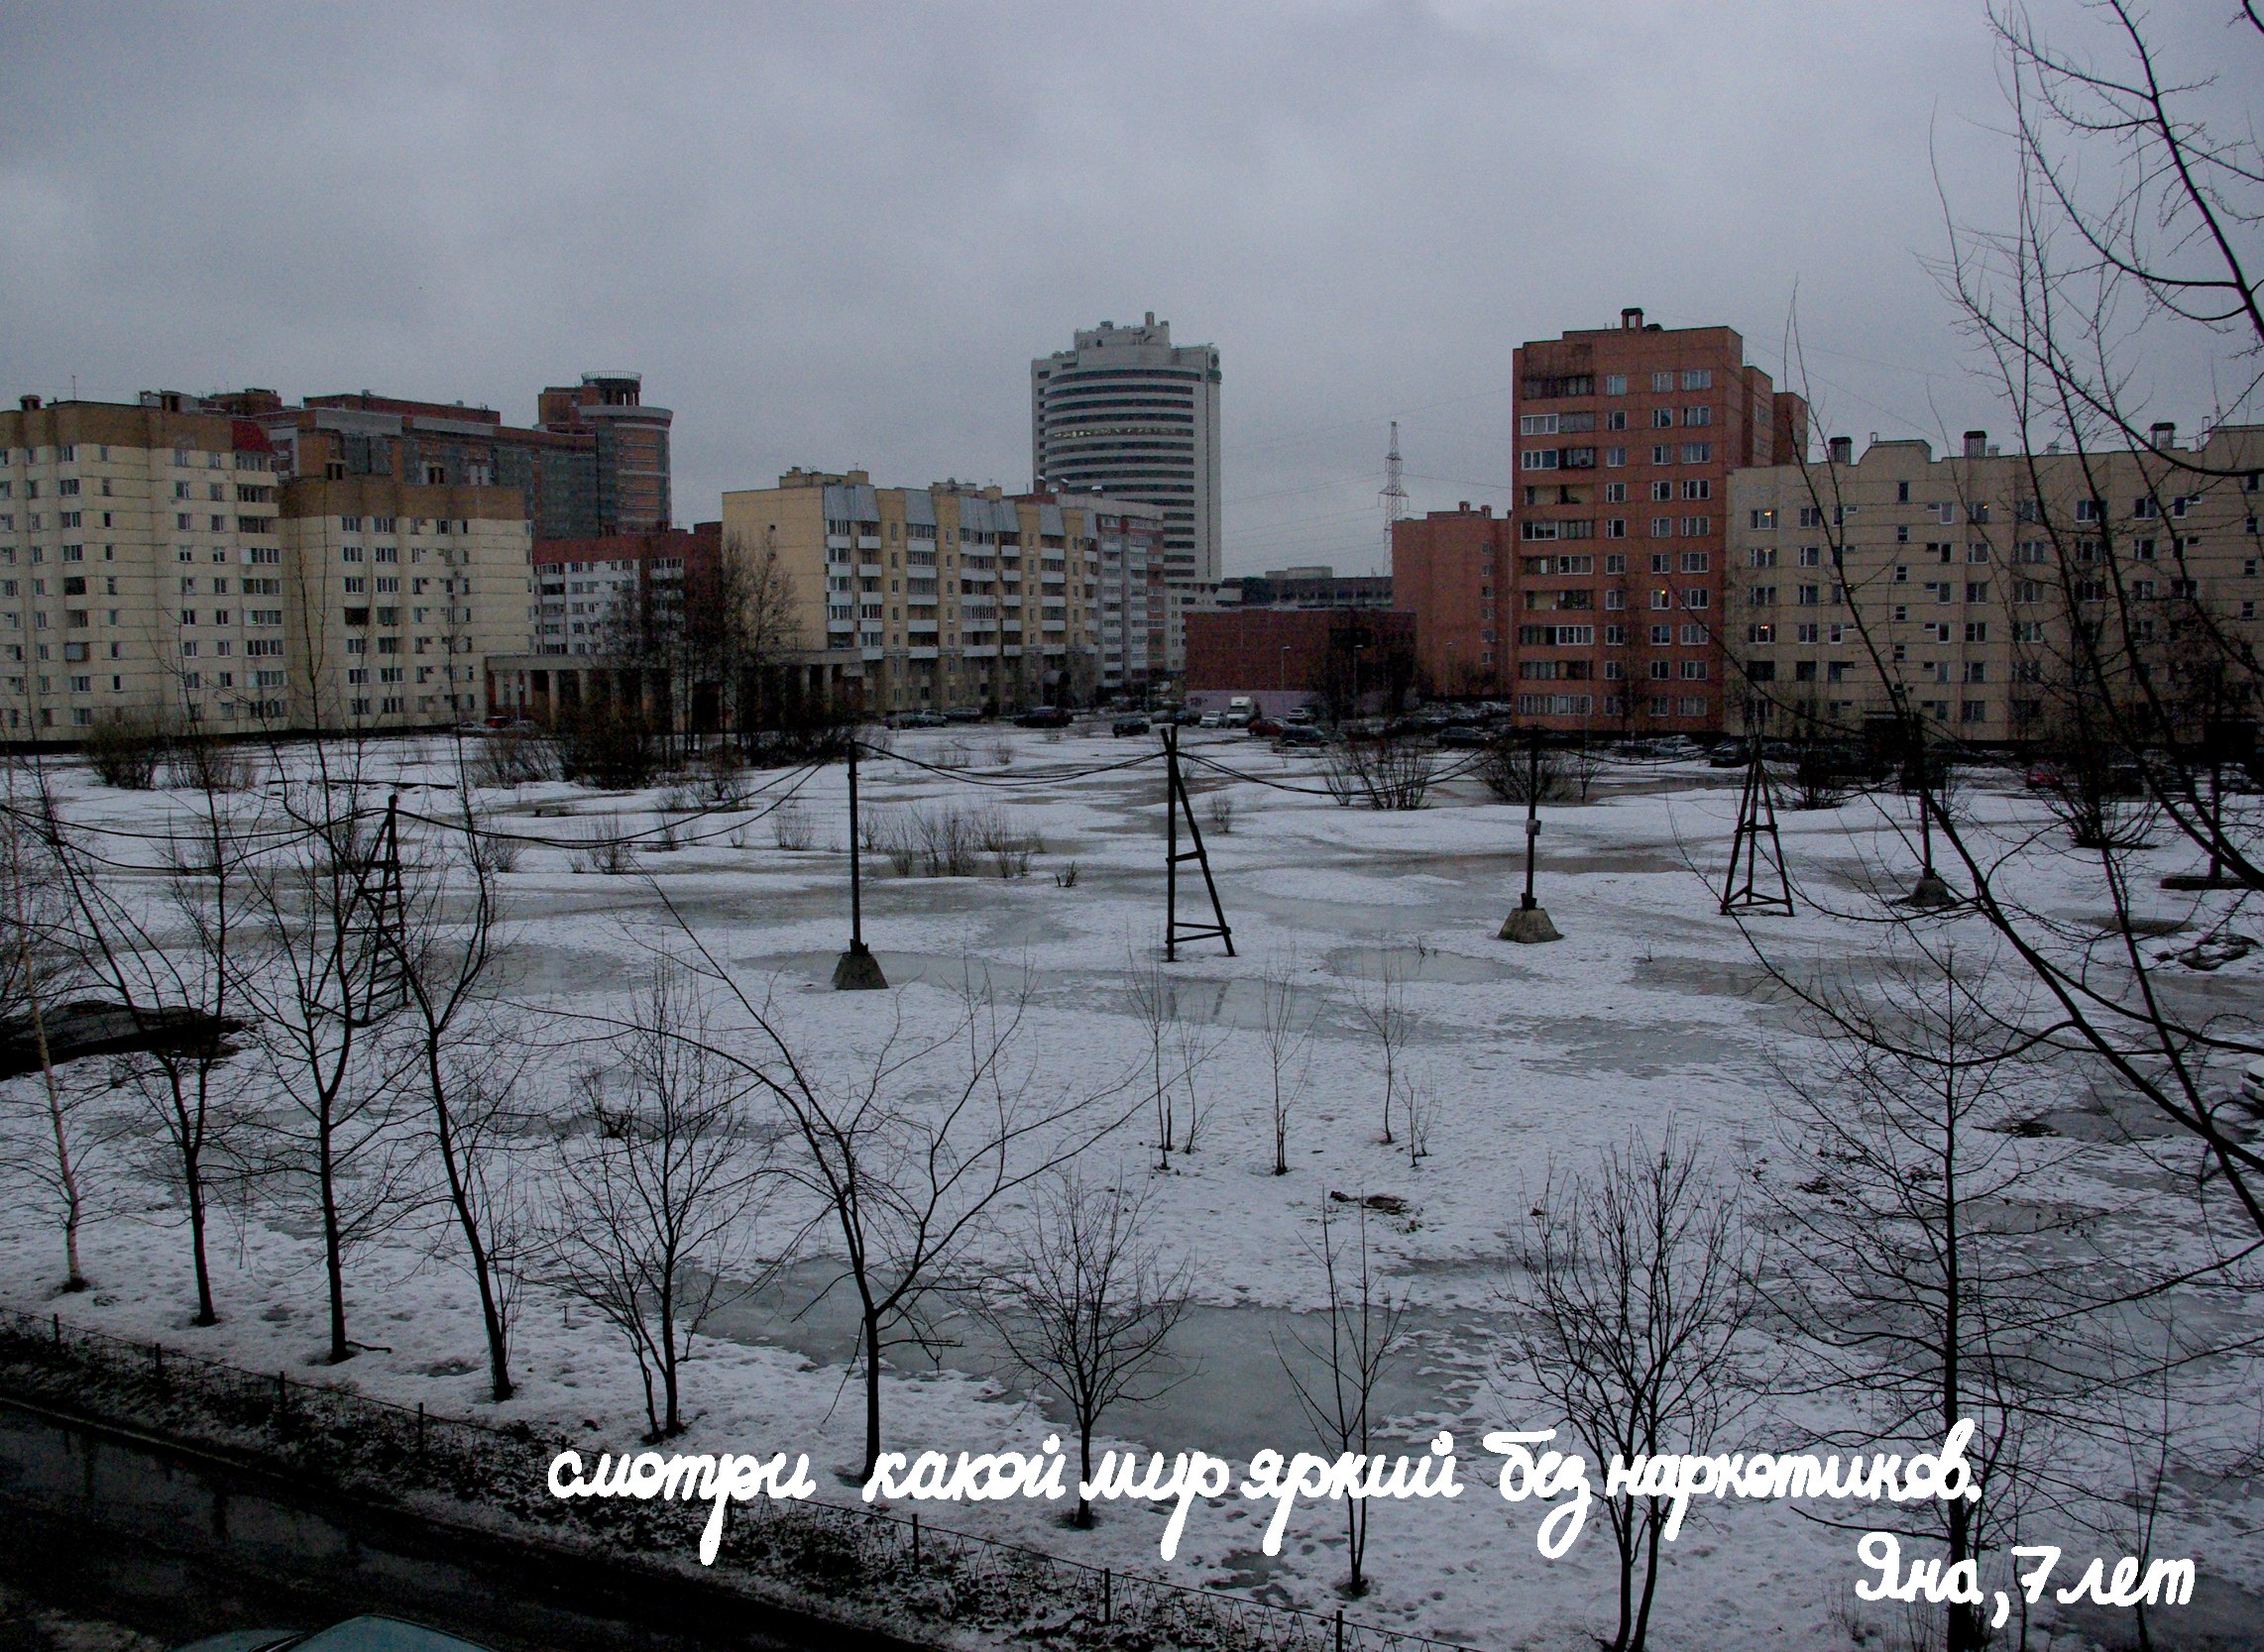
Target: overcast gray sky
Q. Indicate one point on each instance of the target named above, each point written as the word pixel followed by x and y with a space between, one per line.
pixel 835 235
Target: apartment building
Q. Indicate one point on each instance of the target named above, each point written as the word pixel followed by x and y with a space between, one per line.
pixel 1626 438
pixel 156 561
pixel 597 464
pixel 1127 413
pixel 1956 582
pixel 1128 599
pixel 1451 569
pixel 600 597
pixel 931 598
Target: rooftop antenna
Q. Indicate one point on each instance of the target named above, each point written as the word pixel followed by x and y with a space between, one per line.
pixel 1395 493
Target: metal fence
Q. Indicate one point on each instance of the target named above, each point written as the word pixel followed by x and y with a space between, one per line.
pixel 853 1563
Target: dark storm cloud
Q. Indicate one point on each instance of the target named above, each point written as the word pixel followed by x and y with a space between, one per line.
pixel 835 235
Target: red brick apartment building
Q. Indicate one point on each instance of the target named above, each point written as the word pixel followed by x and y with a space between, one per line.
pixel 1451 569
pixel 1613 614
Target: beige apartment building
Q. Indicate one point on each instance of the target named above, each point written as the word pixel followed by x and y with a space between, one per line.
pixel 1957 580
pixel 156 560
pixel 934 597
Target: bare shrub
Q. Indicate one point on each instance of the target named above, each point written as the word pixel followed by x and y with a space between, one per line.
pixel 720 776
pixel 892 836
pixel 1009 848
pixel 1390 771
pixel 1000 751
pixel 204 763
pixel 515 757
pixel 604 849
pixel 1507 768
pixel 683 798
pixel 948 841
pixel 492 852
pixel 790 826
pixel 124 751
pixel 1218 809
pixel 1065 877
pixel 606 745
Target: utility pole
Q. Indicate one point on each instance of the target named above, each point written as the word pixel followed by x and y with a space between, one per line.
pixel 1756 842
pixel 858 971
pixel 1395 493
pixel 1530 926
pixel 1175 805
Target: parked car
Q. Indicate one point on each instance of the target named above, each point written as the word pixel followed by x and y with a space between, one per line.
pixel 1210 719
pixel 1128 725
pixel 919 720
pixel 356 1635
pixel 1298 714
pixel 1730 754
pixel 1043 717
pixel 1465 737
pixel 1265 728
pixel 1297 735
pixel 962 713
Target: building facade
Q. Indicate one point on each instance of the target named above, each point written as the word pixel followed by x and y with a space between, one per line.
pixel 1956 585
pixel 1347 660
pixel 1314 585
pixel 597 465
pixel 1626 438
pixel 160 563
pixel 598 597
pixel 1451 569
pixel 1126 413
pixel 933 598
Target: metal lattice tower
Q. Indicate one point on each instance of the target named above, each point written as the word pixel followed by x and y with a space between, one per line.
pixel 1395 493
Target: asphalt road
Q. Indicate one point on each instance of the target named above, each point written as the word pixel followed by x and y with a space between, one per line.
pixel 178 1544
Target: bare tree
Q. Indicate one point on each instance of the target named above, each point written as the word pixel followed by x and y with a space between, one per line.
pixel 1087 1303
pixel 1192 1046
pixel 324 986
pixel 656 1183
pixel 905 1153
pixel 1153 998
pixel 1288 1032
pixel 1382 1010
pixel 1636 1300
pixel 1919 1271
pixel 35 965
pixel 466 1067
pixel 174 972
pixel 1338 1370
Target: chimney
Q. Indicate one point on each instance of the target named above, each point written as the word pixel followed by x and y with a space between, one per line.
pixel 1463 506
pixel 1630 318
pixel 1151 318
pixel 29 403
pixel 2163 433
pixel 1843 450
pixel 1977 444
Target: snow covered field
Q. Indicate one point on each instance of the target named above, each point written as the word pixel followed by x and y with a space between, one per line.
pixel 1653 1007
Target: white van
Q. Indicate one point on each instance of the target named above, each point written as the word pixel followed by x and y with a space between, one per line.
pixel 1239 711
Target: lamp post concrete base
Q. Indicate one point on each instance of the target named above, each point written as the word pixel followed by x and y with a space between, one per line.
pixel 858 971
pixel 1930 893
pixel 1528 926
